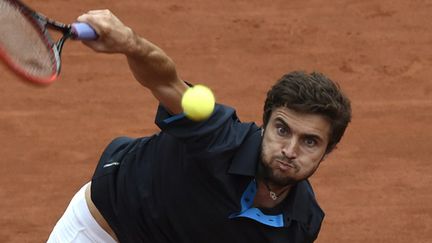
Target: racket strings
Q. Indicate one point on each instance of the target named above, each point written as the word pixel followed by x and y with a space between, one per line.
pixel 22 43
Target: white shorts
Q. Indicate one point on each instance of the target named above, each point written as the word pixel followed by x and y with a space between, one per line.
pixel 77 225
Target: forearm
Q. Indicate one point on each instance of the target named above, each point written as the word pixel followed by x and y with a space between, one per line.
pixel 156 71
pixel 149 64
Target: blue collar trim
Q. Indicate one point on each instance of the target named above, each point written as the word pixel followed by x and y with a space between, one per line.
pixel 256 214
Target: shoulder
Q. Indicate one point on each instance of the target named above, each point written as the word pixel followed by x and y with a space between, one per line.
pixel 223 120
pixel 306 190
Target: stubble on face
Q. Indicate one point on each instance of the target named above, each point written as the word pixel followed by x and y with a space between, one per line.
pixel 274 176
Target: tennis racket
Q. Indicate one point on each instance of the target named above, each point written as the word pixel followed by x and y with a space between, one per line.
pixel 27 47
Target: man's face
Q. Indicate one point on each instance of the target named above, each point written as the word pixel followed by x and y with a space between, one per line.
pixel 293 145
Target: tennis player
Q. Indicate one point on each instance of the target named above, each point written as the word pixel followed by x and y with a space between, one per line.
pixel 218 180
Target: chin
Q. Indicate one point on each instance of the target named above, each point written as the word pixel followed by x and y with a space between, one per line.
pixel 281 180
pixel 276 176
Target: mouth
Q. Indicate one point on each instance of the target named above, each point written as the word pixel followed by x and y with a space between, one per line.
pixel 285 165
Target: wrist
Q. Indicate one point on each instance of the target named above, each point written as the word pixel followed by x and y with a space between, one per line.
pixel 133 46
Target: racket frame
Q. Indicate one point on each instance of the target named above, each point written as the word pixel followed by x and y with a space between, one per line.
pixel 41 24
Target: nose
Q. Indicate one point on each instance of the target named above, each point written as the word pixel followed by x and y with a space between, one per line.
pixel 290 149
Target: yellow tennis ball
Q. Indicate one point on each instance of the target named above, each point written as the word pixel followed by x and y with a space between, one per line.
pixel 198 102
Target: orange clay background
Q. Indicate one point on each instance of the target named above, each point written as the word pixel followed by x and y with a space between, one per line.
pixel 376 187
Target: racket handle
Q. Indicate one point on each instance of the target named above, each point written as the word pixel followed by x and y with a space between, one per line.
pixel 83 31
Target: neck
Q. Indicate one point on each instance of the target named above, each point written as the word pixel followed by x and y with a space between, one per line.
pixel 269 195
pixel 275 191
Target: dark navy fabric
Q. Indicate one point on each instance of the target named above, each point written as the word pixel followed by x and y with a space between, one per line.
pixel 189 183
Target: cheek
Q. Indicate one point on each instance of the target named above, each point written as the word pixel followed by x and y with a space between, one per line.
pixel 268 152
pixel 311 163
pixel 264 153
pixel 314 155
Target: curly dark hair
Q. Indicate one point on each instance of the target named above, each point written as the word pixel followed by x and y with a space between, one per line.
pixel 311 93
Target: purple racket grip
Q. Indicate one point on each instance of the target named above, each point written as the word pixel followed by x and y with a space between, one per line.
pixel 83 31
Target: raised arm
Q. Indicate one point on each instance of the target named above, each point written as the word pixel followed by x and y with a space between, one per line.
pixel 149 64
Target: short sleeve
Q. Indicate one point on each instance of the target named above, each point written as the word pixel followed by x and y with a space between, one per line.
pixel 181 127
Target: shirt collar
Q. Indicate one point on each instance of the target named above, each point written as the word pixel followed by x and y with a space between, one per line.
pixel 301 205
pixel 245 160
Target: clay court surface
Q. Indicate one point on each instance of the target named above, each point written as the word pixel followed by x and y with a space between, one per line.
pixel 376 187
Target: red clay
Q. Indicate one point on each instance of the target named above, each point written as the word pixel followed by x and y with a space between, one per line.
pixel 374 188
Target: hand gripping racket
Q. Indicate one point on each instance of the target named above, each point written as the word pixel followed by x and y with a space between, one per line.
pixel 27 47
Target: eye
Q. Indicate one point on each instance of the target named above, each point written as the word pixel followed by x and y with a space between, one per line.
pixel 310 142
pixel 281 130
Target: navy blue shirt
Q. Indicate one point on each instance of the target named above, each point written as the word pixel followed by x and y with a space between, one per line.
pixel 195 182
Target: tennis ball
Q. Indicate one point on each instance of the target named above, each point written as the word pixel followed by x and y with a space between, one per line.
pixel 198 102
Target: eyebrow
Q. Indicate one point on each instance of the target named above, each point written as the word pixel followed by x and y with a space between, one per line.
pixel 306 135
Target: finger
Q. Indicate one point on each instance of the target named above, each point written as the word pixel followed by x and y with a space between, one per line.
pixel 100 20
pixel 94 22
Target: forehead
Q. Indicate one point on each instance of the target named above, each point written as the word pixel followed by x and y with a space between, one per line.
pixel 304 123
